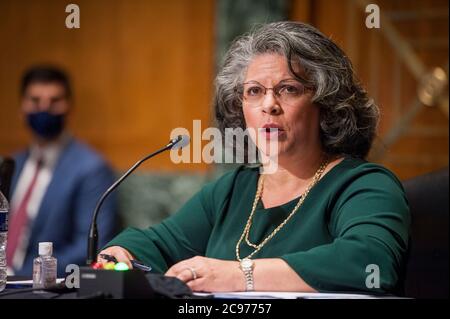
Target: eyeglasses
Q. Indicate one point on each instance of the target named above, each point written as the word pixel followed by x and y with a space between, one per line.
pixel 287 92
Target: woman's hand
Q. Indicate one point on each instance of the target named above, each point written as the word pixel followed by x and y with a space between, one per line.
pixel 209 274
pixel 121 254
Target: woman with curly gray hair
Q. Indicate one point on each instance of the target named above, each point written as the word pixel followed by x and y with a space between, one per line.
pixel 325 219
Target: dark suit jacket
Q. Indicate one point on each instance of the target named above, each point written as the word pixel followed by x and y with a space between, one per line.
pixel 79 178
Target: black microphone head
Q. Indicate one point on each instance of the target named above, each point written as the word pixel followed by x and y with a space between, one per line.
pixel 6 173
pixel 180 141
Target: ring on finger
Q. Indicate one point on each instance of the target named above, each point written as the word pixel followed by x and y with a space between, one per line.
pixel 193 272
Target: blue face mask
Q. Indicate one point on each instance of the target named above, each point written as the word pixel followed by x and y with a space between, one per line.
pixel 45 124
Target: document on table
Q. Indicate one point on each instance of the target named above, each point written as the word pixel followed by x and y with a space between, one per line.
pixel 284 295
pixel 28 282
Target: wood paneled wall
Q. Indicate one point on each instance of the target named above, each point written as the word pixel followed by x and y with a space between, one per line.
pixel 139 68
pixel 424 24
pixel 142 67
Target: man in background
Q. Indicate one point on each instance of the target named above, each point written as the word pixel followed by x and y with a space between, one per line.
pixel 57 180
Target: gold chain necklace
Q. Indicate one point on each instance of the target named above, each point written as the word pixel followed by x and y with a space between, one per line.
pixel 259 190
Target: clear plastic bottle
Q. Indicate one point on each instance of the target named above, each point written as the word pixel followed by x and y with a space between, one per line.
pixel 44 267
pixel 4 209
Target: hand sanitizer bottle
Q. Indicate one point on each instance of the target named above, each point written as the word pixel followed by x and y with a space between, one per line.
pixel 44 267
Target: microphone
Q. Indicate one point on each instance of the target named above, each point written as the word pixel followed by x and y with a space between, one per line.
pixel 6 173
pixel 176 143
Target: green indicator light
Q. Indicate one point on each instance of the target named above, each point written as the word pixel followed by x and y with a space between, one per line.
pixel 121 267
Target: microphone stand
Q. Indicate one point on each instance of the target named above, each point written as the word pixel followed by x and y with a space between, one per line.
pixel 93 230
